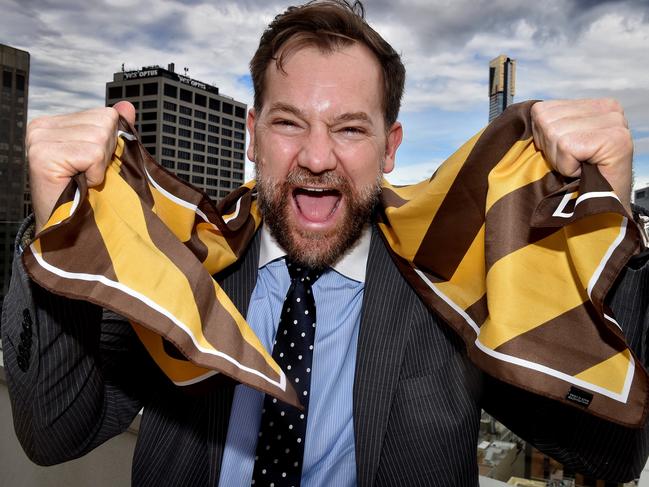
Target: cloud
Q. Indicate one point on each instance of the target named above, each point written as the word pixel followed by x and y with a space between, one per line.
pixel 564 48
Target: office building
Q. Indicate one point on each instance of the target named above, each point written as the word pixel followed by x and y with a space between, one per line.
pixel 502 84
pixel 14 64
pixel 186 125
pixel 641 197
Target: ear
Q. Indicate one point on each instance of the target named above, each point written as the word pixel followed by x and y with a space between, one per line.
pixel 392 143
pixel 250 123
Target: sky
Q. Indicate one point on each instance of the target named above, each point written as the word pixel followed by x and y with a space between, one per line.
pixel 563 49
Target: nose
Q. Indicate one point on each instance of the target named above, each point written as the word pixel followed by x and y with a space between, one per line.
pixel 317 153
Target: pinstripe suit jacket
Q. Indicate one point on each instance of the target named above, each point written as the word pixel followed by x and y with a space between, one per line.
pixel 416 400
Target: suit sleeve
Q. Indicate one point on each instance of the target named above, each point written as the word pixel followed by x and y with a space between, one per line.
pixel 580 441
pixel 75 373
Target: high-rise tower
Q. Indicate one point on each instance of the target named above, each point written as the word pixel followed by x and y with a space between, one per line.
pixel 14 64
pixel 502 84
pixel 187 125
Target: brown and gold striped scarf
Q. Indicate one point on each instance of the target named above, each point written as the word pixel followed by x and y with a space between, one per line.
pixel 514 257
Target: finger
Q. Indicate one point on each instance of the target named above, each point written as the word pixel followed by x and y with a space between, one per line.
pixel 126 110
pixel 548 111
pixel 73 157
pixel 96 116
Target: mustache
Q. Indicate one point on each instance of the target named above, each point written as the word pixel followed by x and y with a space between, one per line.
pixel 303 177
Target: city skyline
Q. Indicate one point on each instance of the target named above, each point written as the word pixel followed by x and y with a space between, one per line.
pixel 565 49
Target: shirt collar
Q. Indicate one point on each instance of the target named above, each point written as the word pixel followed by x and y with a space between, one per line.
pixel 352 264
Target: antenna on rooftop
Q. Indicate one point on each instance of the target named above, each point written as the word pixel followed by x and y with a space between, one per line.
pixel 186 69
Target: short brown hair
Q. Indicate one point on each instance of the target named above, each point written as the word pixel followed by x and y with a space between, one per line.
pixel 328 25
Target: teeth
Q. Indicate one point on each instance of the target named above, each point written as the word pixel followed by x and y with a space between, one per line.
pixel 315 190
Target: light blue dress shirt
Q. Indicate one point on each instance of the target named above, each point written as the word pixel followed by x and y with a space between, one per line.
pixel 329 457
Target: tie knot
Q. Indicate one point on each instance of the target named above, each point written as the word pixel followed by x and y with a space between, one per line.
pixel 302 273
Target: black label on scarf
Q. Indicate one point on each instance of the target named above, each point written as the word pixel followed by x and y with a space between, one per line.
pixel 580 397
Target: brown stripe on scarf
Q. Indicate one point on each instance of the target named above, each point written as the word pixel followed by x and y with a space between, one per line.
pixel 446 235
pixel 508 220
pixel 550 344
pixel 228 337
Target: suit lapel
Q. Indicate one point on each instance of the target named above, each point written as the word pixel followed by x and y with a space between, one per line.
pixel 238 282
pixel 383 334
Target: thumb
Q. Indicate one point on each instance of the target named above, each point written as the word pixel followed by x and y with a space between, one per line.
pixel 126 110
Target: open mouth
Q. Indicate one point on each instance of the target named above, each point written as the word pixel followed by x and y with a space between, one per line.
pixel 317 204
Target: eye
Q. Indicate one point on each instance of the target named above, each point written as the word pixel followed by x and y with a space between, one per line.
pixel 282 122
pixel 353 130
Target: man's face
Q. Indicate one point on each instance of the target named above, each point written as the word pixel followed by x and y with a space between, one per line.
pixel 320 146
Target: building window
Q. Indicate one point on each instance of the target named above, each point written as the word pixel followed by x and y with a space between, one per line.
pixel 239 135
pixel 226 163
pixel 183 166
pixel 212 150
pixel 227 108
pixel 212 140
pixel 200 99
pixel 166 151
pixel 200 114
pixel 150 104
pixel 168 117
pixel 226 174
pixel 136 104
pixel 185 121
pixel 149 115
pixel 183 155
pixel 214 118
pixel 115 92
pixel 226 142
pixel 213 128
pixel 238 165
pixel 171 91
pixel 213 160
pixel 197 168
pixel 185 110
pixel 237 175
pixel 199 136
pixel 185 144
pixel 199 125
pixel 168 140
pixel 223 194
pixel 198 158
pixel 226 132
pixel 184 132
pixel 240 112
pixel 185 95
pixel 168 129
pixel 167 163
pixel 212 170
pixel 226 121
pixel 199 147
pixel 132 90
pixel 148 127
pixel 169 106
pixel 238 155
pixel 184 177
pixel 150 89
pixel 215 105
pixel 239 125
pixel 212 181
pixel 211 192
pixel 640 194
pixel 151 149
pixel 148 139
pixel 197 179
pixel 239 145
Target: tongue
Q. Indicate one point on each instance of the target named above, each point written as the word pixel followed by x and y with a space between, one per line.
pixel 316 208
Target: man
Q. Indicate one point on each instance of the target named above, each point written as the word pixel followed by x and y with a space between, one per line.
pixel 393 397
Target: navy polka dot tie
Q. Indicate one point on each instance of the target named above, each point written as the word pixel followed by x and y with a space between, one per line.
pixel 280 446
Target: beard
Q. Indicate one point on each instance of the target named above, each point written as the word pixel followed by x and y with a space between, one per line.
pixel 315 249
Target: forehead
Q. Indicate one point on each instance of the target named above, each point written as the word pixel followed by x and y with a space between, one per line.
pixel 347 79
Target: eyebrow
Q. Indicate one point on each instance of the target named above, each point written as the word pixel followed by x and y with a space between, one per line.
pixel 345 117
